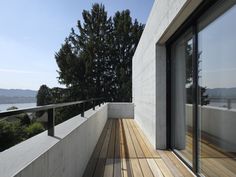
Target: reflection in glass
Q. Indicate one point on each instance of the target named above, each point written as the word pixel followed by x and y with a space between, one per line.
pixel 181 94
pixel 217 56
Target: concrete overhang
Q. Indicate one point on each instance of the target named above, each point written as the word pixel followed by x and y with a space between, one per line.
pixel 179 19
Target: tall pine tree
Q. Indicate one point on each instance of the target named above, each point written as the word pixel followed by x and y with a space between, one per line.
pixel 126 37
pixel 96 58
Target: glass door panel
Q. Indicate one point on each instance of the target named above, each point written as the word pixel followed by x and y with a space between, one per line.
pixel 181 95
pixel 217 79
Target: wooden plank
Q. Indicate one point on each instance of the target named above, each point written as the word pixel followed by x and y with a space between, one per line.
pixel 137 147
pixel 186 155
pixel 155 169
pixel 221 167
pixel 149 145
pixel 108 172
pixel 136 170
pixel 170 164
pixel 229 163
pixel 117 168
pixel 214 161
pixel 118 163
pixel 128 142
pixel 180 166
pixel 208 150
pixel 116 154
pixel 205 170
pixel 99 171
pixel 125 150
pixel 222 170
pixel 117 140
pixel 164 169
pixel 122 141
pixel 111 146
pixel 145 168
pixel 211 152
pixel 94 158
pixel 126 168
pixel 143 145
pixel 104 148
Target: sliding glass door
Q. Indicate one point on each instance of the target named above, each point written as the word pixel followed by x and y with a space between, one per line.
pixel 217 113
pixel 181 82
pixel 203 92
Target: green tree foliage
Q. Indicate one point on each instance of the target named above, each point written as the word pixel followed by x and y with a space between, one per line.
pixel 96 58
pixel 189 77
pixel 126 35
pixel 34 129
pixel 24 120
pixel 58 95
pixel 95 61
pixel 11 133
pixel 16 130
pixel 44 96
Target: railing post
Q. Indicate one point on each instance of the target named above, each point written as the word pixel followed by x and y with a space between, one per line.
pixel 99 103
pixel 93 105
pixel 51 122
pixel 229 103
pixel 82 113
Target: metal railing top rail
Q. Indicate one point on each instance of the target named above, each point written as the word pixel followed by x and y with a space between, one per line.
pixel 50 109
pixel 44 108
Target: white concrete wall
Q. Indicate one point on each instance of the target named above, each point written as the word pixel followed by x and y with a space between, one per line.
pixel 120 110
pixel 149 82
pixel 218 123
pixel 65 155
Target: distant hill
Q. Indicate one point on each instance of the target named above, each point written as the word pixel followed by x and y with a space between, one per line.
pixel 8 96
pixel 221 93
pixel 17 93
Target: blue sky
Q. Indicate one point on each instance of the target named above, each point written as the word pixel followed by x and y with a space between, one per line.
pixel 33 30
pixel 217 43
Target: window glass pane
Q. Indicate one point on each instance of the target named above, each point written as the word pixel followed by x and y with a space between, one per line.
pixel 217 79
pixel 181 95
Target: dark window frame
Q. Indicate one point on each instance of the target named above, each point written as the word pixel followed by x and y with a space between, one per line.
pixel 191 22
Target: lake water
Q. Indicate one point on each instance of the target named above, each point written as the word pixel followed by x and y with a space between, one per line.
pixel 4 107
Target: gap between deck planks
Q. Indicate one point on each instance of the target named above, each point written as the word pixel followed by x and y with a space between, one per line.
pixel 124 151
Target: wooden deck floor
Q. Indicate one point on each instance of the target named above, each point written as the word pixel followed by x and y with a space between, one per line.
pixel 124 151
pixel 214 161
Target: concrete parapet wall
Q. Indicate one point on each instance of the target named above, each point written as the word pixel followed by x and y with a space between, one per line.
pixel 65 155
pixel 120 110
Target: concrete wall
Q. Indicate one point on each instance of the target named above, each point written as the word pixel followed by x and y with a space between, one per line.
pixel 149 61
pixel 120 110
pixel 218 123
pixel 65 155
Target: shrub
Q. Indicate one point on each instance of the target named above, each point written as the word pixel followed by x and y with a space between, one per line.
pixel 11 133
pixel 34 129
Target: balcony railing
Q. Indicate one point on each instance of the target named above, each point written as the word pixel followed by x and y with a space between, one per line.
pixel 51 111
pixel 107 141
